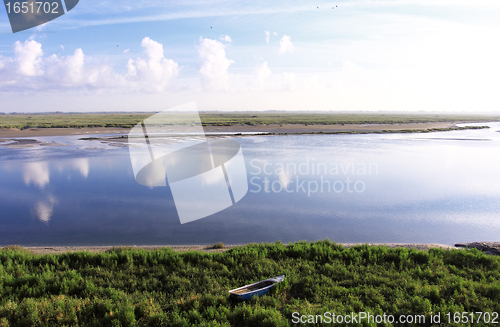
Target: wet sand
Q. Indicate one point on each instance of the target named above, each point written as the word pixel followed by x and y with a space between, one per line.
pixel 272 128
pixel 35 132
pixel 301 128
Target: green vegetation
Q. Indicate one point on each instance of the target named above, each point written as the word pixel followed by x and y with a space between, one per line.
pixel 134 287
pixel 218 245
pixel 128 120
pixel 386 131
pixel 71 120
pixel 229 119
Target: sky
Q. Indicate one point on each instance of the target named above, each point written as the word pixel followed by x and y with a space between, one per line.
pixel 310 55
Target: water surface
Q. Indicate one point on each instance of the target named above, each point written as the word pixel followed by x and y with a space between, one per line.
pixel 438 187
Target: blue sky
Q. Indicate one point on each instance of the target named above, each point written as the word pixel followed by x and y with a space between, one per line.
pixel 256 55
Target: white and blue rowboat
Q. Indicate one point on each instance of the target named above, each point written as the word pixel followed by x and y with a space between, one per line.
pixel 256 289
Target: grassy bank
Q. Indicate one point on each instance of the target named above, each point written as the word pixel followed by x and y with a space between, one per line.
pixel 129 287
pixel 128 120
pixel 387 131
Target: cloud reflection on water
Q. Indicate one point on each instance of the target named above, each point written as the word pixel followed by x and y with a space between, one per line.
pixel 38 173
pixel 44 209
pixel 82 165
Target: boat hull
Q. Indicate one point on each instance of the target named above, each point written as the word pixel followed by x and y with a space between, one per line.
pixel 248 291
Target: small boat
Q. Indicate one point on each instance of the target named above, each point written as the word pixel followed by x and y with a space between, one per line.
pixel 256 289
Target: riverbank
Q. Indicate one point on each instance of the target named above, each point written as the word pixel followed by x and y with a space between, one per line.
pixel 210 248
pixel 8 133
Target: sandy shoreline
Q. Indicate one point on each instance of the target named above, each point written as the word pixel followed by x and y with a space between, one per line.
pixel 492 248
pixel 272 128
pixel 208 248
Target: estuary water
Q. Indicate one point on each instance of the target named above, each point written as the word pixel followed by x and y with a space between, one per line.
pixel 428 188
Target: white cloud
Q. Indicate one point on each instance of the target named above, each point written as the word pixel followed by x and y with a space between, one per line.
pixel 226 38
pixel 267 36
pixel 155 73
pixel 28 69
pixel 73 72
pixel 286 44
pixel 213 64
pixel 65 70
pixel 275 33
pixel 126 50
pixel 28 55
pixel 62 47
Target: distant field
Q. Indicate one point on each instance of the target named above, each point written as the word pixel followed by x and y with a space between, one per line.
pixel 128 120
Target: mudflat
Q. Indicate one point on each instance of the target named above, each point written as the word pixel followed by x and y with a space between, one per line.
pixel 269 128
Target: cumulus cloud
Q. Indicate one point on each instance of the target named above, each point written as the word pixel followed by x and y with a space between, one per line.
pixel 267 36
pixel 28 55
pixel 155 73
pixel 275 33
pixel 213 64
pixel 126 50
pixel 29 69
pixel 286 44
pixel 66 70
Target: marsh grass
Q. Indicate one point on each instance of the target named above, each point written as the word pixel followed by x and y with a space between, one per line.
pixel 15 248
pixel 128 120
pixel 135 287
pixel 218 245
pixel 119 249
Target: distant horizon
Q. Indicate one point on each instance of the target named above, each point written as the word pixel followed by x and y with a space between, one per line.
pixel 263 111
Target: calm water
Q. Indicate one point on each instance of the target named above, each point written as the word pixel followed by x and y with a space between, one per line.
pixel 440 188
